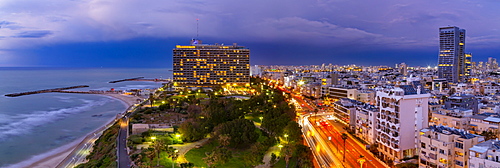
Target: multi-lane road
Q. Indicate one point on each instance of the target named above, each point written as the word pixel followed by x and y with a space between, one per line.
pixel 326 142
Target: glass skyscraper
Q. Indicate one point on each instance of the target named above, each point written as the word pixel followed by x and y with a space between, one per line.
pixel 452 60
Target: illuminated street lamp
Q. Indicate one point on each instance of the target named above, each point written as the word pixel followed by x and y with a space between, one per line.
pixel 261 119
pixel 286 137
pixel 361 160
pixel 344 137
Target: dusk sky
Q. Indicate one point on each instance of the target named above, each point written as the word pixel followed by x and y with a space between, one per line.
pixel 142 33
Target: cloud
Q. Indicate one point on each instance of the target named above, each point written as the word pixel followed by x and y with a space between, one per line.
pixel 363 24
pixel 9 25
pixel 33 34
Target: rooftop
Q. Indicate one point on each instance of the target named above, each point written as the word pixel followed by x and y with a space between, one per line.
pixel 484 146
pixel 449 130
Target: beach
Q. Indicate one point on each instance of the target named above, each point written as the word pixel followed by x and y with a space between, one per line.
pixel 53 158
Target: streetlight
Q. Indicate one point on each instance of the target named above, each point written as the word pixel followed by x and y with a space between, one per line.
pixel 361 160
pixel 344 137
pixel 261 119
pixel 286 137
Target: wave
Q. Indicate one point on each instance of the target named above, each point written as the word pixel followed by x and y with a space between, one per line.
pixel 52 154
pixel 24 123
pixel 65 99
pixel 5 119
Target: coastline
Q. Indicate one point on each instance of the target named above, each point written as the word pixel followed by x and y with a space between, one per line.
pixel 54 157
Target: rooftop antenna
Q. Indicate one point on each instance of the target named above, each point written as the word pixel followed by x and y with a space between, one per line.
pixel 197 28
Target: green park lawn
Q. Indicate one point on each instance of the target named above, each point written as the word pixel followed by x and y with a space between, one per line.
pixel 196 156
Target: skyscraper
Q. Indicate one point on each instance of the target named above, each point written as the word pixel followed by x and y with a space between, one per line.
pixel 451 61
pixel 468 64
pixel 203 65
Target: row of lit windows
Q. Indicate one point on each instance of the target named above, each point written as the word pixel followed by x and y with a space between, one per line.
pixel 218 83
pixel 211 81
pixel 197 52
pixel 197 55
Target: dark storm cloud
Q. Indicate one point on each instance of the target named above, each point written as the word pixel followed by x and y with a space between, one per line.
pixel 331 29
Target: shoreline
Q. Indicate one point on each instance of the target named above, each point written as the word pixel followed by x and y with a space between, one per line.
pixel 54 157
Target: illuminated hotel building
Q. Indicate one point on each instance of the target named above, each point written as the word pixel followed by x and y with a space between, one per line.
pixel 203 65
pixel 451 60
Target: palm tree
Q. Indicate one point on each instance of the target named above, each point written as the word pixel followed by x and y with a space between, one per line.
pixel 344 137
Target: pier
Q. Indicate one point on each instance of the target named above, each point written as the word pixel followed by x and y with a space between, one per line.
pixel 131 79
pixel 45 91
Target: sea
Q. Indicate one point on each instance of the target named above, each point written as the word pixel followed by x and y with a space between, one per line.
pixel 36 126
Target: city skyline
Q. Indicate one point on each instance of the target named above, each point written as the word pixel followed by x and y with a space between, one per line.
pixel 137 34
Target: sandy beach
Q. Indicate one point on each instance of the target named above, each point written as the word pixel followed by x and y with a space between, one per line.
pixel 52 158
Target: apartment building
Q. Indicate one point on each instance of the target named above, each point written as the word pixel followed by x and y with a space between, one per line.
pixel 403 111
pixel 442 146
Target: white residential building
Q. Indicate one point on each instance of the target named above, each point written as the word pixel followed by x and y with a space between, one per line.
pixel 403 112
pixel 485 155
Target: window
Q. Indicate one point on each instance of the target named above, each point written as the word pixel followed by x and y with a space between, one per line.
pixel 433 148
pixel 459 145
pixel 460 163
pixel 441 151
pixel 422 145
pixel 432 156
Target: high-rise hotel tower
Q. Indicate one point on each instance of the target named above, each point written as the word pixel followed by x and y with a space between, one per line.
pixel 451 61
pixel 203 65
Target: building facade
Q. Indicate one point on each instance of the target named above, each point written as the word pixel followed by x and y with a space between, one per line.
pixel 403 110
pixel 201 65
pixel 442 146
pixel 485 155
pixel 451 60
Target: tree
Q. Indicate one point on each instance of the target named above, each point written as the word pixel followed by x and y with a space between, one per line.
pixel 251 160
pixel 151 99
pixel 293 132
pixel 193 111
pixel 187 165
pixel 224 139
pixel 489 135
pixel 344 137
pixel 219 155
pixel 304 154
pixel 158 146
pixel 288 152
pixel 241 132
pixel 192 130
pixel 151 154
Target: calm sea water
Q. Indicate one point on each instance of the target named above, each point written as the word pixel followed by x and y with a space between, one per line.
pixel 33 125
